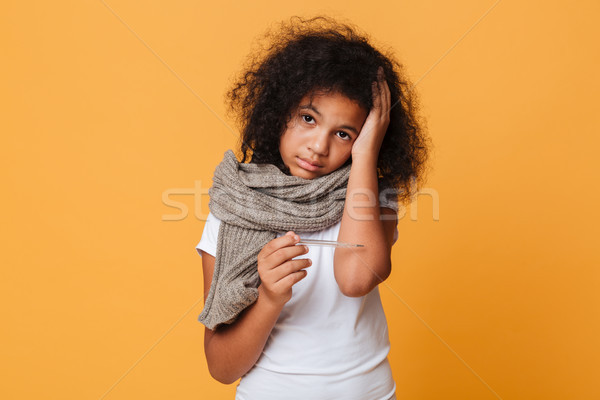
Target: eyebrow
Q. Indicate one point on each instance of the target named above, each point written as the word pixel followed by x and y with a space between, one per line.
pixel 311 107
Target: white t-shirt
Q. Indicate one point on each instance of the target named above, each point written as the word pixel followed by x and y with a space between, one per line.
pixel 324 344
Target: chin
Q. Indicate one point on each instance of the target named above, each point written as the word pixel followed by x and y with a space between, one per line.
pixel 305 174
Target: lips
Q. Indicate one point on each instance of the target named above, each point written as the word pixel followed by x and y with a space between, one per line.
pixel 307 164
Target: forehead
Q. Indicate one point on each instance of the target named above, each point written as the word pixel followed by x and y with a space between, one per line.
pixel 332 104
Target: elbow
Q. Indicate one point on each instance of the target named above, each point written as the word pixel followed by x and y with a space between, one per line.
pixel 358 289
pixel 218 367
pixel 354 291
pixel 224 379
pixel 363 285
pixel 221 375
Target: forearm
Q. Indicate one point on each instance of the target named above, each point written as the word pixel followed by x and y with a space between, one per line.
pixel 231 350
pixel 359 270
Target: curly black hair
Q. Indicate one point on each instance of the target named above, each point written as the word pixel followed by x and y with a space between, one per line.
pixel 305 56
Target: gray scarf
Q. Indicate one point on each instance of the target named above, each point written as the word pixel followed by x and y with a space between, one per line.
pixel 254 202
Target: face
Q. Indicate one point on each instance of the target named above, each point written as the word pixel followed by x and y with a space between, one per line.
pixel 318 139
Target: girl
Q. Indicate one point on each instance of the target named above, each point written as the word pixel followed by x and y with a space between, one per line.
pixel 330 143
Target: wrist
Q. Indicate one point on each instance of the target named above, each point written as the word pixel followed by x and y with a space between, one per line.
pixel 267 301
pixel 368 160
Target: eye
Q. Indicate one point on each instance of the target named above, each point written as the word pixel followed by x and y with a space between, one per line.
pixel 304 116
pixel 343 135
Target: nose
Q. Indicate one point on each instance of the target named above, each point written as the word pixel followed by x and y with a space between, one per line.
pixel 319 142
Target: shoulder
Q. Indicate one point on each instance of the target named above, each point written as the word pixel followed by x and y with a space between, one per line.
pixel 212 222
pixel 210 235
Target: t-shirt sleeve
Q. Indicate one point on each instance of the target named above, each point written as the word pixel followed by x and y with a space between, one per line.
pixel 208 241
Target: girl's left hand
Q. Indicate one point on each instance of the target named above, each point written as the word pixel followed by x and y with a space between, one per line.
pixel 373 130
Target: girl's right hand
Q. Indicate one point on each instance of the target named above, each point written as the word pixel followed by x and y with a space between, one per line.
pixel 277 271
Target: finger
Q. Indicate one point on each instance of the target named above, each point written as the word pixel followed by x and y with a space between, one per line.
pixel 376 99
pixel 385 92
pixel 289 239
pixel 289 267
pixel 388 94
pixel 386 100
pixel 380 90
pixel 382 98
pixel 284 254
pixel 293 278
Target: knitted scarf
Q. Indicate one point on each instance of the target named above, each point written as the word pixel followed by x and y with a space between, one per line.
pixel 254 202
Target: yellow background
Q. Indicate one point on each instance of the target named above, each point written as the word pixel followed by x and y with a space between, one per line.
pixel 107 106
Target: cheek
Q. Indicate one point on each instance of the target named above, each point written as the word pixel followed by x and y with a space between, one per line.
pixel 343 155
pixel 289 140
pixel 285 146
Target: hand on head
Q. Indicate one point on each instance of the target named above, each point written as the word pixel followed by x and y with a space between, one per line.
pixel 373 130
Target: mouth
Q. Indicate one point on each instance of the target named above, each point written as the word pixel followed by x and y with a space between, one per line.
pixel 307 164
